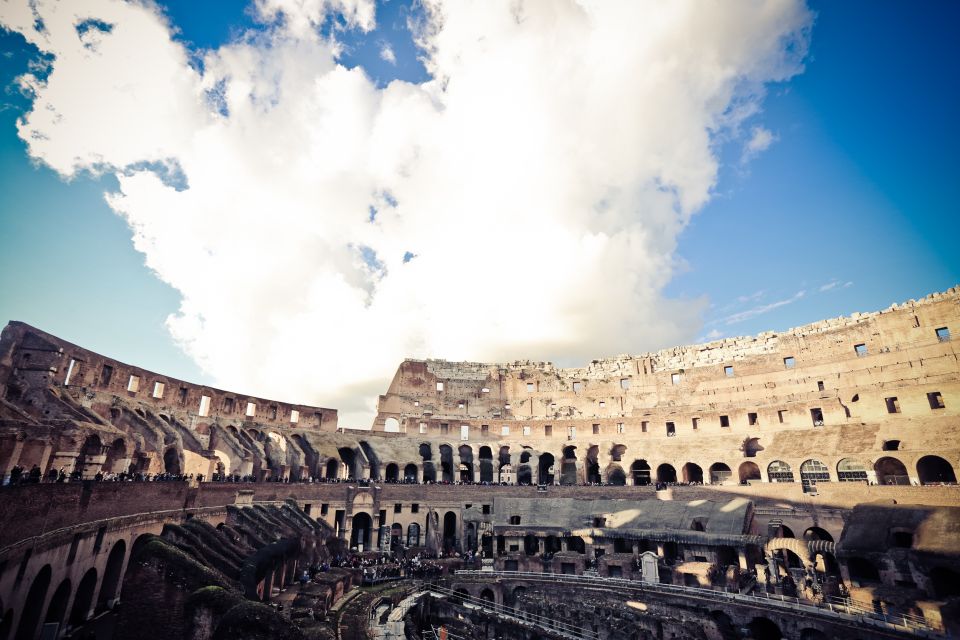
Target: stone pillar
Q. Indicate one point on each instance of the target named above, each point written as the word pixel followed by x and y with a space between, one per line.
pixel 660 550
pixel 742 557
pixel 15 456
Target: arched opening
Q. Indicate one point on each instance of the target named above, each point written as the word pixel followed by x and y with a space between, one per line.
pixel 426 453
pixel 524 475
pixel 640 470
pixel 470 535
pixel 33 605
pixel 349 458
pixel 779 471
pixel 171 461
pixel 725 625
pixel 945 582
pixel 92 448
pixel 516 595
pixel 446 463
pixel 373 461
pixel 391 473
pixel 616 475
pixel 568 466
pixel 410 473
pixel 935 470
pixel 764 629
pixel 851 470
pixel 487 596
pixel 891 471
pixel 83 600
pixel 360 533
pixel 531 545
pixel 459 596
pixel 817 533
pixel 551 544
pixel 593 465
pixel 58 604
pixel 391 425
pixel 449 530
pixel 413 535
pixel 891 445
pixel 466 464
pixel 666 474
pixel 862 571
pixel 793 561
pixel 486 464
pixel 116 461
pixel 396 536
pixel 813 472
pixel 110 588
pixel 617 451
pixel 719 473
pixel 429 472
pixel 333 468
pixel 692 473
pixel 749 471
pixel 545 469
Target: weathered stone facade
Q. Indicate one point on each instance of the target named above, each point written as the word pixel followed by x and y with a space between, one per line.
pixel 818 462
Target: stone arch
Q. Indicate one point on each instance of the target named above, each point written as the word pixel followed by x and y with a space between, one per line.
pixel 751 446
pixel 487 595
pixel 429 472
pixel 349 458
pixel 817 533
pixel 640 472
pixel 719 473
pixel 797 547
pixel 396 535
pixel 666 473
pixel 83 600
pixel 749 471
pixel 446 463
pixel 426 452
pixel 524 475
pixel 57 609
pixel 545 469
pixel 890 470
pixel 89 461
pixel 593 464
pixel 813 472
pixel 112 574
pixel 891 445
pixel 410 473
pixel 486 464
pixel 762 628
pixel 725 626
pixel 33 605
pixel 617 451
pixel 692 473
pixel 615 475
pixel 450 530
pixel 391 473
pixel 391 425
pixel 333 469
pixel 117 459
pixel 851 470
pixel 935 470
pixel 779 471
pixel 465 472
pixel 172 461
pixel 360 530
pixel 413 535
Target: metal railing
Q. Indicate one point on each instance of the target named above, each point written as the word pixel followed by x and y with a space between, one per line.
pixel 836 608
pixel 553 625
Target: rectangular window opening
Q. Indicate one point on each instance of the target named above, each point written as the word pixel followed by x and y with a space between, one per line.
pixel 273 412
pixel 294 416
pixel 183 395
pixel 860 350
pixel 133 384
pixel 439 386
pixel 619 427
pixel 728 371
pixel 484 430
pixel 324 509
pixel 624 383
pixel 820 386
pixel 228 404
pixel 752 419
pixel 504 430
pixel 596 429
pixel 105 375
pixel 816 414
pixel 644 425
pixel 935 400
pixel 943 334
pixel 547 430
pixel 789 362
pixel 782 415
pixel 158 388
pixel 531 387
pixel 526 430
pixel 675 378
pixel 444 427
pixel 204 409
pixel 423 427
pixel 893 405
pixel 251 410
pixel 695 423
pixel 671 430
pixel 415 508
pixel 577 387
pixel 398 508
pixel 70 368
pixel 724 421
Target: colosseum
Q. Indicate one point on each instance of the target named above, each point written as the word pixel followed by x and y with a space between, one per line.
pixel 799 484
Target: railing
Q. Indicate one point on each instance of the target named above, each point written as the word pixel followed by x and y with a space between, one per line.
pixel 849 611
pixel 556 627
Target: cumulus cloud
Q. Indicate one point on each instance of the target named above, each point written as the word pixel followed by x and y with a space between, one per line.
pixel 523 202
pixel 760 140
pixel 387 54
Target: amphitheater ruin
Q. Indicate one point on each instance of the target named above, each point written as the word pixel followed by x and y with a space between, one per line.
pixel 798 484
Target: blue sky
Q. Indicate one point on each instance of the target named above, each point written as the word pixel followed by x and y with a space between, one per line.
pixel 851 208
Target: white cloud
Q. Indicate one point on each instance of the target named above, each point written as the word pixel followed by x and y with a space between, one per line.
pixel 760 140
pixel 540 180
pixel 387 54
